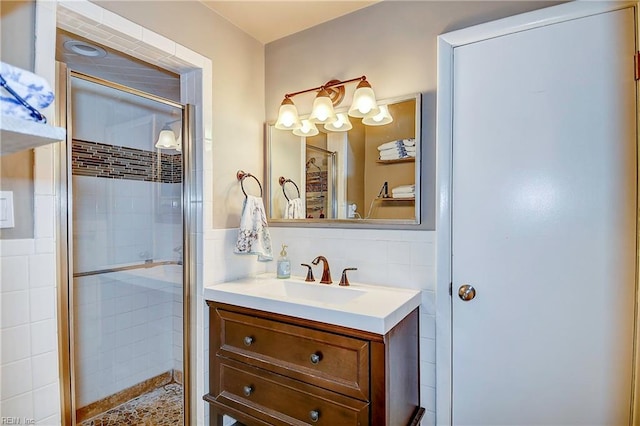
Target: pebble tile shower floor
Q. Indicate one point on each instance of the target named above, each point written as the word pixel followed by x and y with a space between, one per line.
pixel 159 407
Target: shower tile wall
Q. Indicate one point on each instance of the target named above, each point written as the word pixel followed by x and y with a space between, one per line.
pixel 125 336
pixel 131 322
pixel 120 221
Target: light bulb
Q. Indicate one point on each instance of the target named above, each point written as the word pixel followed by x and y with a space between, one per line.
pixel 365 105
pixel 287 116
pixel 364 101
pixel 322 110
pixel 379 119
pixel 307 129
pixel 342 124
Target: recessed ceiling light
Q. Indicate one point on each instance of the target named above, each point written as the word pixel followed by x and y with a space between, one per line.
pixel 85 49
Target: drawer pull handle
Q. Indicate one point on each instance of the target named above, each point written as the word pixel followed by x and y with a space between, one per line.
pixel 248 340
pixel 314 415
pixel 247 390
pixel 315 358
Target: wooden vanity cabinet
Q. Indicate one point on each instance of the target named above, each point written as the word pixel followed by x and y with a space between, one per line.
pixel 271 369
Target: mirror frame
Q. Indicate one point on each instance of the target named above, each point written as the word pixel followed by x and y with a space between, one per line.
pixel 415 223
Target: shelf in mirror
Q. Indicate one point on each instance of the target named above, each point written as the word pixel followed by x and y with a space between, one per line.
pixel 396 199
pixel 399 160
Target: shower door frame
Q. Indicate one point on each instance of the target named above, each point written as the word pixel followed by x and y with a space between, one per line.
pixel 65 225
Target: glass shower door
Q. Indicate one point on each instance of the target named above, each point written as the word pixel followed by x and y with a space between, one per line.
pixel 126 256
pixel 320 170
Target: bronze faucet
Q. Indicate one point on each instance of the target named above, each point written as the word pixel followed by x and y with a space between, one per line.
pixel 326 274
pixel 344 280
pixel 309 273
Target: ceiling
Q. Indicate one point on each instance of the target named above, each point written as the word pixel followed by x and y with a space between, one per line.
pixel 264 20
pixel 118 67
pixel 267 20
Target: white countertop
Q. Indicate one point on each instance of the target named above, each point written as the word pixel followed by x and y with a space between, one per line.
pixel 372 308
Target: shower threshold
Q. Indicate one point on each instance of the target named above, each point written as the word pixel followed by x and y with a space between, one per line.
pixel 159 406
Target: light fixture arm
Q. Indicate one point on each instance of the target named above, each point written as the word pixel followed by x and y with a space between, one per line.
pixel 336 99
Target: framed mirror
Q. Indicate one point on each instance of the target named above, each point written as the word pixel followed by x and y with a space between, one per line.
pixel 368 176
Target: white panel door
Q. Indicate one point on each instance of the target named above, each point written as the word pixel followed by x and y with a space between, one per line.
pixel 544 224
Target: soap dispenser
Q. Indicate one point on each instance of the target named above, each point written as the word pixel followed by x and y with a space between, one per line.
pixel 284 264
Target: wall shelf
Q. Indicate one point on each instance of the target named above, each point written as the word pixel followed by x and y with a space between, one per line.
pixel 18 135
pixel 400 160
pixel 396 199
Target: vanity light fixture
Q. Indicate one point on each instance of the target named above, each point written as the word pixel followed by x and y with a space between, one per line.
pixel 307 129
pixel 330 95
pixel 381 118
pixel 342 124
pixel 167 139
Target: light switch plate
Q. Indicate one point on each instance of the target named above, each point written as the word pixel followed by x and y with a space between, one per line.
pixel 6 209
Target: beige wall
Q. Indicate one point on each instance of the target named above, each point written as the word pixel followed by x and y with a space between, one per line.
pixel 17 30
pixel 393 43
pixel 238 91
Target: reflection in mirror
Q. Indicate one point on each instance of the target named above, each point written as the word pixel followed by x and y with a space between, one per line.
pixel 319 175
pixel 369 174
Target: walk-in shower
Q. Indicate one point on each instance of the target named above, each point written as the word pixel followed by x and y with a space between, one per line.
pixel 125 242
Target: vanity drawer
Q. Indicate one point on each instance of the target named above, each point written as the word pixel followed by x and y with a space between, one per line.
pixel 325 359
pixel 278 400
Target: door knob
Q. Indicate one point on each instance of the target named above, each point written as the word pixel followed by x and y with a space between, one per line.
pixel 466 292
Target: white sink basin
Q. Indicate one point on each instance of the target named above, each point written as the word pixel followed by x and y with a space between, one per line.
pixel 312 292
pixel 363 307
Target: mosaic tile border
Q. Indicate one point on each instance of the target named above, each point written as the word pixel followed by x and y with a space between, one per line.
pixel 119 162
pixel 317 181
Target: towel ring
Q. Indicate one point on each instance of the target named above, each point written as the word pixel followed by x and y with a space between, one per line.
pixel 241 175
pixel 282 181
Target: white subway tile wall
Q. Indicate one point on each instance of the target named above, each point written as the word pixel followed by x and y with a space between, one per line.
pixel 28 335
pixel 385 257
pixel 125 330
pixel 129 324
pixel 121 221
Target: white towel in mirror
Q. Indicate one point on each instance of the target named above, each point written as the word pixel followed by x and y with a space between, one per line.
pixel 294 209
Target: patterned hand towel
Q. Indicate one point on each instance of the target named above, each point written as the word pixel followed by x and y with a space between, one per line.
pixel 253 235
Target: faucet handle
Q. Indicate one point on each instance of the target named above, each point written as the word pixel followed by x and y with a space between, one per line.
pixel 309 273
pixel 344 281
